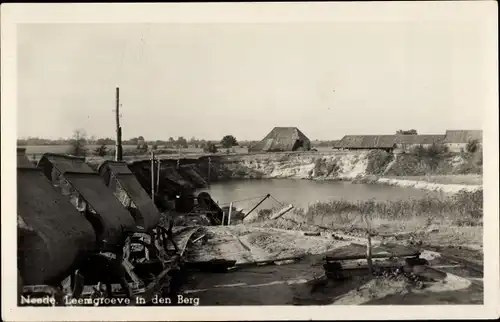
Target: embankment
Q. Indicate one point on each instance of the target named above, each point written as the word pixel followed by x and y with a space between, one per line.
pixel 375 167
pixel 405 170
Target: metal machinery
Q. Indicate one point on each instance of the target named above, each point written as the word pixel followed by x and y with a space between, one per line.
pixel 101 248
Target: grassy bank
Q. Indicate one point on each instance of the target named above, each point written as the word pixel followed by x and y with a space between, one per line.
pixel 358 165
pixel 439 162
pixel 455 219
pixel 465 179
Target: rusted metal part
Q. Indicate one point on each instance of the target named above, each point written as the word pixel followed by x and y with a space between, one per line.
pixel 182 239
pixel 158 285
pixel 211 208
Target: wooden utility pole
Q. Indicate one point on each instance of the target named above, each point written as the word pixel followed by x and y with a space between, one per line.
pixel 153 176
pixel 209 163
pixel 118 150
pixel 158 167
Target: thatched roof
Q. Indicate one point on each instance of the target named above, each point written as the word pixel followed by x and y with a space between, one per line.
pixel 463 136
pixel 118 176
pixel 283 139
pixel 419 139
pixel 386 141
pixel 53 235
pixel 367 141
pixel 335 144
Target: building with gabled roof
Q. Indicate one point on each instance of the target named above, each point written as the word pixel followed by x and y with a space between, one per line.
pixel 400 142
pixel 283 139
pixel 457 140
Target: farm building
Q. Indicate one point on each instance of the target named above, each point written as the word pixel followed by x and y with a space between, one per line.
pixel 336 144
pixel 367 142
pixel 396 143
pixel 406 142
pixel 457 140
pixel 283 139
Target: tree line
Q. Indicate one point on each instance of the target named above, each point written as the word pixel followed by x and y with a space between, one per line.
pixel 179 142
pixel 79 142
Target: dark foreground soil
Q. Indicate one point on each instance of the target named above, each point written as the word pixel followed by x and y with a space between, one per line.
pixel 303 282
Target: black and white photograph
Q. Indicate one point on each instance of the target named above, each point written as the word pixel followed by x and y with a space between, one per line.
pixel 172 158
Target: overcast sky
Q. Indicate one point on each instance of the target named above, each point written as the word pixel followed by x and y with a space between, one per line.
pixel 208 80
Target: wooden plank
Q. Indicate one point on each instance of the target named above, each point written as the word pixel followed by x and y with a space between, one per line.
pixel 356 251
pixel 282 212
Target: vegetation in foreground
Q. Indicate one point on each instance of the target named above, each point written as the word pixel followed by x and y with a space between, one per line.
pixel 457 218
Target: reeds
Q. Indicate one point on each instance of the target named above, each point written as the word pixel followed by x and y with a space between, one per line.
pixel 463 205
pixel 462 209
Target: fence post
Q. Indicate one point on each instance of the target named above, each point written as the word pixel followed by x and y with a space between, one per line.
pixel 368 245
pixel 230 212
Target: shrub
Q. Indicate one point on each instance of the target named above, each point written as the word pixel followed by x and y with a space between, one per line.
pixel 418 151
pixel 422 161
pixel 319 164
pixel 101 150
pixel 479 158
pixel 436 150
pixel 210 148
pixel 142 148
pixel 378 161
pixel 472 146
pixel 332 168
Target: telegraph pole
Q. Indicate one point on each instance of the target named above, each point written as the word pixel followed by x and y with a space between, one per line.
pixel 209 163
pixel 118 150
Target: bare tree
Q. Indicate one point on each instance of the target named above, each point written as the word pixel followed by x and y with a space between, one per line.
pixel 77 142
